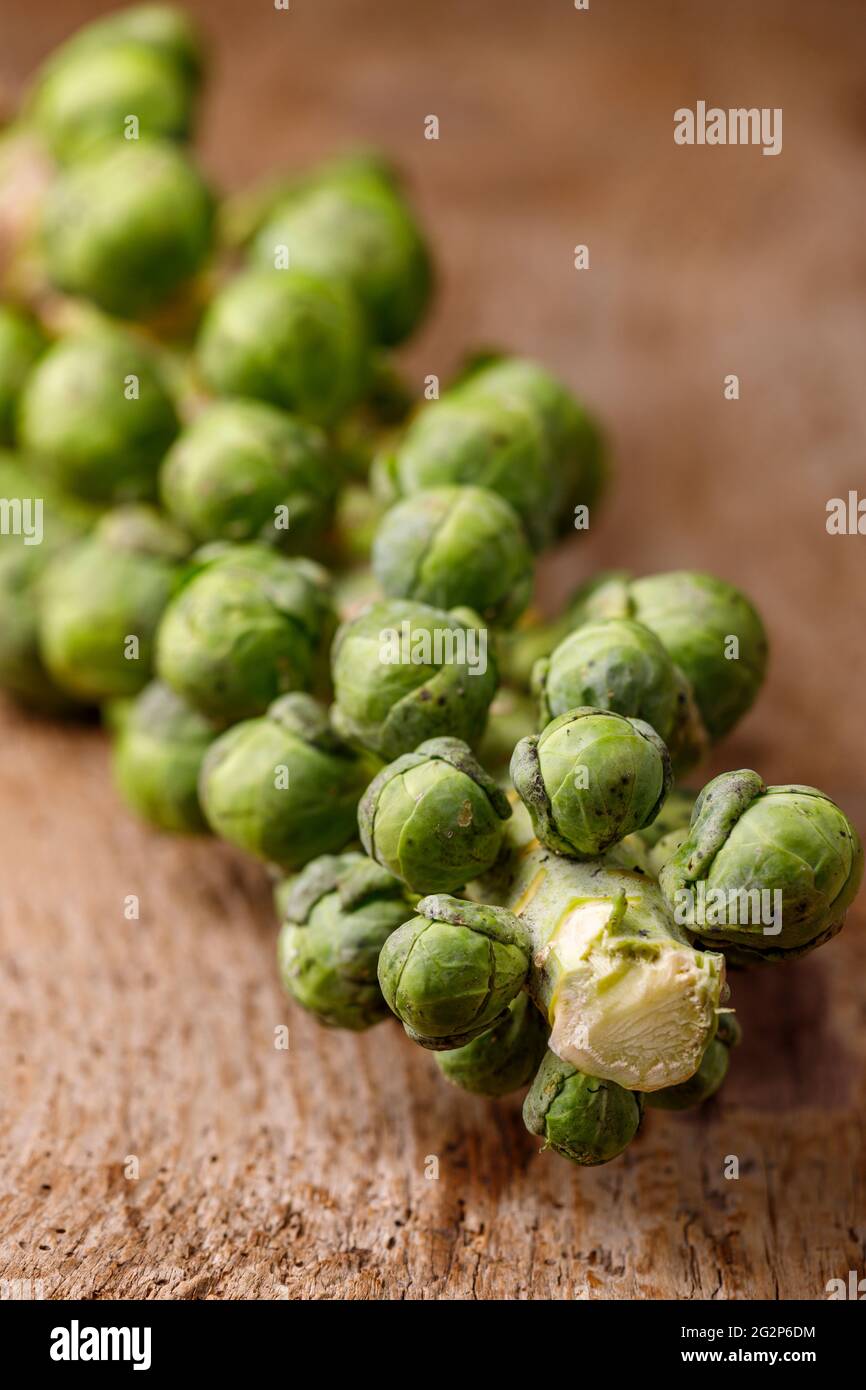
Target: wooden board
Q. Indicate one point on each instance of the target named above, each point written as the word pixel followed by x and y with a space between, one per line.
pixel 304 1173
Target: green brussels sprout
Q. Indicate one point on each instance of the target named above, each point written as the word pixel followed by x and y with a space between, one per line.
pixel 283 787
pixel 709 1075
pixel 434 817
pixel 629 853
pixel 287 337
pixel 654 844
pixel 165 30
pixel 356 228
pixel 503 1059
pixel 357 515
pixel 456 546
pixel 246 626
pixel 127 226
pixel 283 889
pixel 617 665
pixel 244 470
pixel 482 443
pixel 590 778
pixel 386 404
pixel 404 672
pixel 700 1087
pixel 664 850
pixel 512 717
pixel 627 997
pixel 243 214
pixel 675 815
pixel 114 714
pixel 21 342
pixel 729 1030
pixel 450 973
pixel 37 525
pixel 338 914
pixel 575 443
pixel 97 414
pixel 354 591
pixel 89 95
pixel 710 630
pixel 765 873
pixel 534 638
pixel 101 601
pixel 580 1117
pixel 158 752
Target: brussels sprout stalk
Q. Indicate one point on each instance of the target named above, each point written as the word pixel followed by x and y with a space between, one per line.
pixel 627 997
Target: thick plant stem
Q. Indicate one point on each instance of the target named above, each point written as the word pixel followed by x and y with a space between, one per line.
pixel 627 997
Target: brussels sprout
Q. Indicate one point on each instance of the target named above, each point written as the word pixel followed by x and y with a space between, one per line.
pixel 248 625
pixel 339 912
pixel 534 638
pixel 629 853
pixel 709 1075
pixel 729 1030
pixel 245 213
pixel 574 441
pixel 513 428
pixel 512 717
pixel 700 1087
pixel 664 850
pixel 386 403
pixel 244 470
pixel 101 600
pixel 404 672
pixel 456 546
pixel 581 1117
pixel 127 226
pixel 675 815
pixel 158 751
pixel 765 873
pixel 627 997
pixel 283 787
pixel 590 778
pixel 96 412
pixel 21 342
pixel 503 1059
pixel 90 95
pixel 616 665
pixel 37 525
pixel 482 443
pixel 450 973
pixel 355 228
pixel 697 619
pixel 354 591
pixel 434 817
pixel 288 337
pixel 165 30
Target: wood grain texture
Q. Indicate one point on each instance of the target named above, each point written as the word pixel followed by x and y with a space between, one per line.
pixel 301 1173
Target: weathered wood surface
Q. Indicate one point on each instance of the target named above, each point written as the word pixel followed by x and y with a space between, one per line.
pixel 267 1173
